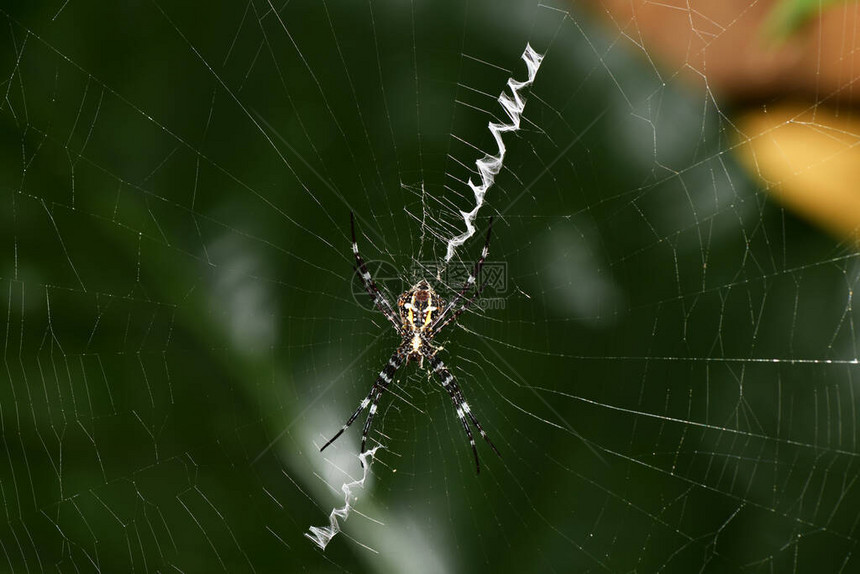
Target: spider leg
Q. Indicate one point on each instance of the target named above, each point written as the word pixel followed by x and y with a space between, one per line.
pixel 369 284
pixel 370 416
pixel 450 384
pixel 461 310
pixel 386 375
pixel 441 320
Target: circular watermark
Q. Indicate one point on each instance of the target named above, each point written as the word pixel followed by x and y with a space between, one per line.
pixel 494 278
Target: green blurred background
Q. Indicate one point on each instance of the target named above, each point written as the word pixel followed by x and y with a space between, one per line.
pixel 669 369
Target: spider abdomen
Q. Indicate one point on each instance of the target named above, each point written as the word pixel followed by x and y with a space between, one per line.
pixel 418 306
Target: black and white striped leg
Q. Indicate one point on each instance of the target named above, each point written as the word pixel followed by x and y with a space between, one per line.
pixel 386 375
pixel 444 318
pixel 450 384
pixel 369 284
pixel 372 413
pixel 453 317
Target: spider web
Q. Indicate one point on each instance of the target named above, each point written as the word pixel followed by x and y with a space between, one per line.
pixel 665 357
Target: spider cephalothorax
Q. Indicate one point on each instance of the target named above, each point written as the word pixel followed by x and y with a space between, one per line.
pixel 421 314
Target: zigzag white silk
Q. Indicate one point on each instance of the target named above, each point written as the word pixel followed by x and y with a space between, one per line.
pixel 490 165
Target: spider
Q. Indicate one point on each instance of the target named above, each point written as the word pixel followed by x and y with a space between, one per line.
pixel 421 314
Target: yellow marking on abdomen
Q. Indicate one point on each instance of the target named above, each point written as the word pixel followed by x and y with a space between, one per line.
pixel 411 316
pixel 430 309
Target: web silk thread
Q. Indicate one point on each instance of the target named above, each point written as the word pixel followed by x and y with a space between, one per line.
pixel 322 535
pixel 490 165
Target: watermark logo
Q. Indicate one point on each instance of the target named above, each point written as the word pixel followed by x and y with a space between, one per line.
pixel 494 275
pixel 446 279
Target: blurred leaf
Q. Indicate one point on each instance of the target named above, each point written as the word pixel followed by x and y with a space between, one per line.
pixel 788 16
